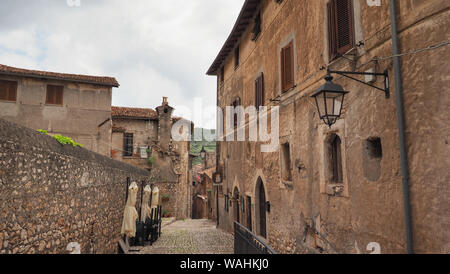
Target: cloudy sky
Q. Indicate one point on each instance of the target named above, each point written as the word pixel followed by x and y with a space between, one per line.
pixel 154 48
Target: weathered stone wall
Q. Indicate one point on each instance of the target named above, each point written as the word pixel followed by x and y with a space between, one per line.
pixel 51 195
pixel 371 207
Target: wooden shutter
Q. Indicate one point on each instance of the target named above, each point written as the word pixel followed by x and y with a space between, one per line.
pixel 331 30
pixel 8 90
pixel 340 27
pixel 259 91
pixel 12 95
pixel 54 95
pixel 344 22
pixel 287 67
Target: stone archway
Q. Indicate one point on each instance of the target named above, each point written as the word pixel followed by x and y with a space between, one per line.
pixel 260 208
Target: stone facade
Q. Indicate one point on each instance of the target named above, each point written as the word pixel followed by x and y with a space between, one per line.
pixel 84 114
pixel 305 215
pixel 152 137
pixel 52 195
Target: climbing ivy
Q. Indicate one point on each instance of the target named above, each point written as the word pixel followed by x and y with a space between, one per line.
pixel 64 140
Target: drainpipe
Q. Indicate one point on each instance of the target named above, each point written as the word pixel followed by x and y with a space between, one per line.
pixel 401 130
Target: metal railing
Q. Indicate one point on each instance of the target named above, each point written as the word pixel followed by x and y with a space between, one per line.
pixel 246 242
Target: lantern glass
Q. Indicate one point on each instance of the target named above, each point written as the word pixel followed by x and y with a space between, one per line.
pixel 329 100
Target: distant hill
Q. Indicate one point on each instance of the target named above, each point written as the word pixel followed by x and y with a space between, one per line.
pixel 196 146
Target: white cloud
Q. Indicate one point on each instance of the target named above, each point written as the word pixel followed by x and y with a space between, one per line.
pixel 154 48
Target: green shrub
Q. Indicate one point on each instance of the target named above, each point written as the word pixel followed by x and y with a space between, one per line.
pixel 64 140
pixel 151 160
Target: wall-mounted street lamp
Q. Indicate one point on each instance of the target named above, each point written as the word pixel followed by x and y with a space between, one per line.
pixel 203 153
pixel 330 96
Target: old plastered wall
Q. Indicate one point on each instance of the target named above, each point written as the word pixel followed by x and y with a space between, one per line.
pixel 303 217
pixel 52 195
pixel 85 107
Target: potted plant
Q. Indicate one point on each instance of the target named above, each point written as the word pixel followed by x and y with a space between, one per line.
pixel 165 198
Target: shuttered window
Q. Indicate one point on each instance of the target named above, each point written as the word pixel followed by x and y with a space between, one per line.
pixel 236 103
pixel 287 67
pixel 259 91
pixel 340 27
pixel 128 144
pixel 8 90
pixel 54 95
pixel 257 27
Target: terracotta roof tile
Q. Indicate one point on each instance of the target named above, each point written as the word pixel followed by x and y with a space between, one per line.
pixel 133 112
pixel 98 80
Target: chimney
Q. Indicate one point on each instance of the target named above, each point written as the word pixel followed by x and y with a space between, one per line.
pixel 164 124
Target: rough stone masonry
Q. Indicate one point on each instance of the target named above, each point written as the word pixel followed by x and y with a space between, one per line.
pixel 52 195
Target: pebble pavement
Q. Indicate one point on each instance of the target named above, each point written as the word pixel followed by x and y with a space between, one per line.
pixel 191 237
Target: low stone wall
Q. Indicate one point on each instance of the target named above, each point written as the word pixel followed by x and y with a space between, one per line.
pixel 52 195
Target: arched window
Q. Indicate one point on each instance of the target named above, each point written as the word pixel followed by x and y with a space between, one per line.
pixel 260 209
pixel 336 160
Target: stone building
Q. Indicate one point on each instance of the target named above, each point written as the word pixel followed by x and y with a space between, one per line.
pixel 143 137
pixel 77 106
pixel 338 189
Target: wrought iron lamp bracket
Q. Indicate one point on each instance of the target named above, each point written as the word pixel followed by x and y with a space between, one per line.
pixel 384 74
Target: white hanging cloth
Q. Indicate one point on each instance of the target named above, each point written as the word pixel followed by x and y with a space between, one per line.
pixel 155 197
pixel 145 212
pixel 130 214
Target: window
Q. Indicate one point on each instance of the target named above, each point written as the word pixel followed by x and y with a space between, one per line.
pixel 54 95
pixel 286 162
pixel 372 156
pixel 340 27
pixel 236 57
pixel 236 103
pixel 8 90
pixel 259 91
pixel 128 144
pixel 336 160
pixel 287 67
pixel 249 212
pixel 374 149
pixel 257 27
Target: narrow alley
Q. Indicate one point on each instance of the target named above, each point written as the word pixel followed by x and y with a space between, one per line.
pixel 191 237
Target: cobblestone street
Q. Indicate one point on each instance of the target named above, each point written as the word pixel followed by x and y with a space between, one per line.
pixel 192 237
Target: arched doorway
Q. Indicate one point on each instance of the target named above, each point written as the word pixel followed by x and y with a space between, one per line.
pixel 260 208
pixel 236 205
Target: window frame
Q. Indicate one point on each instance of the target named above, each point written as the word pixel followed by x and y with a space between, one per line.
pixel 57 88
pixel 9 85
pixel 257 23
pixel 126 144
pixel 335 158
pixel 286 162
pixel 259 91
pixel 285 84
pixel 335 50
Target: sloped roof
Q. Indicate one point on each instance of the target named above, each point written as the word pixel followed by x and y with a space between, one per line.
pixel 244 19
pixel 139 113
pixel 98 80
